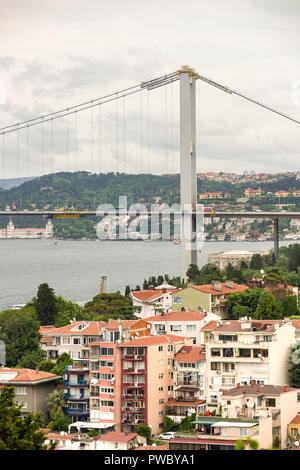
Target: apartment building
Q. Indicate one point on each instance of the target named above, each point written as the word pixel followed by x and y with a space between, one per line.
pixel 253 192
pixel 255 401
pixel 73 339
pixel 207 298
pixel 105 370
pixel 147 379
pixel 32 388
pixel 77 391
pixel 219 433
pixel 246 350
pixel 185 323
pixel 151 301
pixel 189 383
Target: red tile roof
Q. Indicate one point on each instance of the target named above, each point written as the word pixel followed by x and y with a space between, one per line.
pixel 208 288
pixel 92 328
pixel 114 324
pixel 149 295
pixel 296 420
pixel 25 375
pixel 177 315
pixel 114 436
pixel 152 340
pixel 210 326
pixel 190 354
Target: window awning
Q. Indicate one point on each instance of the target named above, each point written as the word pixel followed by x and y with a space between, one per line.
pixel 231 424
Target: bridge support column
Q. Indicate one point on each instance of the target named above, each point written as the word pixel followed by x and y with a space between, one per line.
pixel 276 239
pixel 188 173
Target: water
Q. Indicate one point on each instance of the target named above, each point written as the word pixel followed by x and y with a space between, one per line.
pixel 73 268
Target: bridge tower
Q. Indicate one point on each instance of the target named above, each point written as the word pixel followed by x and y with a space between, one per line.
pixel 188 171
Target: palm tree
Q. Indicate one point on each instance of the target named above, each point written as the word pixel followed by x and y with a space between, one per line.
pixel 56 402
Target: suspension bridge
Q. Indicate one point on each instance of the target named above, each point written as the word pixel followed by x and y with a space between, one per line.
pixel 47 128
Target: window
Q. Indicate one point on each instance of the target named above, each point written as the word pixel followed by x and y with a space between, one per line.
pixel 228 337
pixel 66 340
pixel 106 351
pixel 161 389
pixel 294 432
pixel 215 366
pixel 107 376
pixel 176 328
pixel 76 340
pixel 270 402
pixel 215 352
pixel 106 403
pixel 106 390
pixel 161 401
pixel 170 347
pixel 23 403
pixel 161 362
pixel 21 390
pixel 161 413
pixel 298 396
pixel 190 328
pixel 160 348
pixel 243 432
pixel 170 388
pixel 106 363
pixel 268 338
pixel 160 376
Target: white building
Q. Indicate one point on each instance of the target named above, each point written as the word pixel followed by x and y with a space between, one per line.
pixel 154 300
pixel 30 232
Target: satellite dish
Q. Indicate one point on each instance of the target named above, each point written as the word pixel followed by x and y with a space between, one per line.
pixel 296 443
pixel 250 404
pixel 223 403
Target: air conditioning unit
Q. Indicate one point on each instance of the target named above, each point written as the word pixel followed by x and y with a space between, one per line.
pixel 111 395
pixel 65 376
pixel 111 409
pixel 111 369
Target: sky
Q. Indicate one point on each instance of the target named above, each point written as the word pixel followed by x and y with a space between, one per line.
pixel 56 54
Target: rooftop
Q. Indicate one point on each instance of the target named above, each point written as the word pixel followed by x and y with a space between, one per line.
pixel 8 375
pixel 224 289
pixel 114 436
pixel 255 389
pixel 78 328
pixel 152 340
pixel 190 354
pixel 177 315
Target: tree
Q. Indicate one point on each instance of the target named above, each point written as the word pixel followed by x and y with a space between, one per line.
pixel 268 307
pixel 31 360
pixel 127 291
pixel 294 363
pixel 56 402
pixel 144 430
pixel 45 304
pixel 19 329
pixel 16 432
pixel 60 422
pixel 109 305
pixel 169 424
pixel 60 366
pixel 239 445
pixel 256 261
pixel 66 311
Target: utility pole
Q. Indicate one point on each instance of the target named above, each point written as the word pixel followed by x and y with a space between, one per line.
pixel 188 171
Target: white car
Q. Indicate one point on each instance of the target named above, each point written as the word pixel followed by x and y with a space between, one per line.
pixel 166 435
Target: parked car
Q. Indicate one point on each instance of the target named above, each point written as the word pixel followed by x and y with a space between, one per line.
pixel 166 435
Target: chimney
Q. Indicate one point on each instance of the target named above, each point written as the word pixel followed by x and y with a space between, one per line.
pixel 238 385
pixel 224 392
pixel 252 382
pixel 36 370
pixel 244 390
pixel 286 388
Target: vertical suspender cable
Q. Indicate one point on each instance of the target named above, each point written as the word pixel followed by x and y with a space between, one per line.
pixel 117 133
pixel 76 141
pixel 172 128
pixel 92 139
pixel 2 152
pixel 100 138
pixel 166 128
pixel 27 151
pixel 141 130
pixel 124 133
pixel 51 147
pixel 67 143
pixel 148 132
pixel 18 154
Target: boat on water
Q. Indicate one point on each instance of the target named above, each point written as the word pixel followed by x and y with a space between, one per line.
pixel 176 242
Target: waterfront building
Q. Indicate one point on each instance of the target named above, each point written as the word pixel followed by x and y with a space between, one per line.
pixel 29 232
pixel 32 388
pixel 233 257
pixel 77 391
pixel 151 301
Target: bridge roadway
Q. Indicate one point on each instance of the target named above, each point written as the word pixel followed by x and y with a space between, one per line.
pixel 212 214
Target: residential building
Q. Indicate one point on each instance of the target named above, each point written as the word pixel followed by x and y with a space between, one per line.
pixel 32 388
pixel 281 193
pixel 151 301
pixel 185 323
pixel 294 429
pixel 77 390
pixel 147 379
pixel 189 383
pixel 218 433
pixel 257 401
pixel 207 298
pixel 245 350
pixel 253 192
pixel 113 440
pixel 215 195
pixel 73 339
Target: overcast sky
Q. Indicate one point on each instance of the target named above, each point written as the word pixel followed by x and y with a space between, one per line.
pixel 54 54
